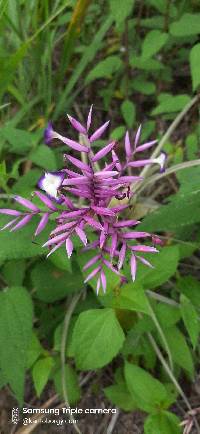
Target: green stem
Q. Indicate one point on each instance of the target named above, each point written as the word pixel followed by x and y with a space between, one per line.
pixel 67 318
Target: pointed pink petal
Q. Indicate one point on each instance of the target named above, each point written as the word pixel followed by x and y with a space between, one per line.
pixel 26 203
pixel 145 146
pixel 133 267
pixel 135 235
pixel 98 133
pixel 91 262
pixel 10 212
pixel 103 152
pixel 78 163
pixel 12 222
pixel 69 247
pixel 144 261
pixel 81 234
pixel 77 125
pixel 137 136
pixel 89 117
pixel 122 254
pixel 42 224
pixel 92 274
pixel 126 223
pixel 128 145
pixel 142 248
pixel 103 280
pixel 56 247
pixel 45 200
pixel 22 222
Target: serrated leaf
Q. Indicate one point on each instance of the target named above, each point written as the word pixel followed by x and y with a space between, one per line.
pixel 162 423
pixel 34 350
pixel 41 372
pixel 190 319
pixel 93 333
pixel 153 42
pixel 149 393
pixel 119 395
pixel 194 65
pixel 16 314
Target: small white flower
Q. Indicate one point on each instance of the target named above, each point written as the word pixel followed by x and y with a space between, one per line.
pixel 51 182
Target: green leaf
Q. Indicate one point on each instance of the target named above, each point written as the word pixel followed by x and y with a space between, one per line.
pixel 143 86
pixel 131 297
pixel 167 315
pixel 179 349
pixel 72 386
pixel 190 319
pixel 52 284
pixel 194 65
pixel 21 141
pixel 128 112
pixel 118 132
pixel 187 25
pixel 153 42
pixel 93 333
pixel 148 392
pixel 14 272
pixel 121 10
pixel 44 157
pixel 162 423
pixel 19 245
pixel 34 350
pixel 147 64
pixel 120 396
pixel 41 372
pixel 171 104
pixel 60 260
pixel 16 313
pixel 165 264
pixel 105 68
pixel 190 287
pixel 183 210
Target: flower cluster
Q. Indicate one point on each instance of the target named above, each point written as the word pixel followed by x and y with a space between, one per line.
pixel 93 189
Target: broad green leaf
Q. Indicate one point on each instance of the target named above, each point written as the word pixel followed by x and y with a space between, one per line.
pixel 161 5
pixel 27 182
pixel 165 264
pixel 121 10
pixel 72 386
pixel 19 245
pixel 14 272
pixel 118 132
pixel 149 393
pixel 183 210
pixel 162 423
pixel 120 396
pixel 187 25
pixel 195 64
pixel 128 112
pixel 131 297
pixel 167 315
pixel 146 64
pixel 44 157
pixel 51 284
pixel 105 68
pixel 41 372
pixel 153 42
pixel 171 104
pixel 93 334
pixel 190 287
pixel 16 313
pixel 60 260
pixel 190 319
pixel 144 86
pixel 179 349
pixel 34 350
pixel 20 141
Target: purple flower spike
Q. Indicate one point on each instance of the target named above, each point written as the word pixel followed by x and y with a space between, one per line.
pixel 87 197
pixel 76 124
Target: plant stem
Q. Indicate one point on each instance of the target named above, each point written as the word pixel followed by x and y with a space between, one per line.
pixel 67 318
pixel 169 171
